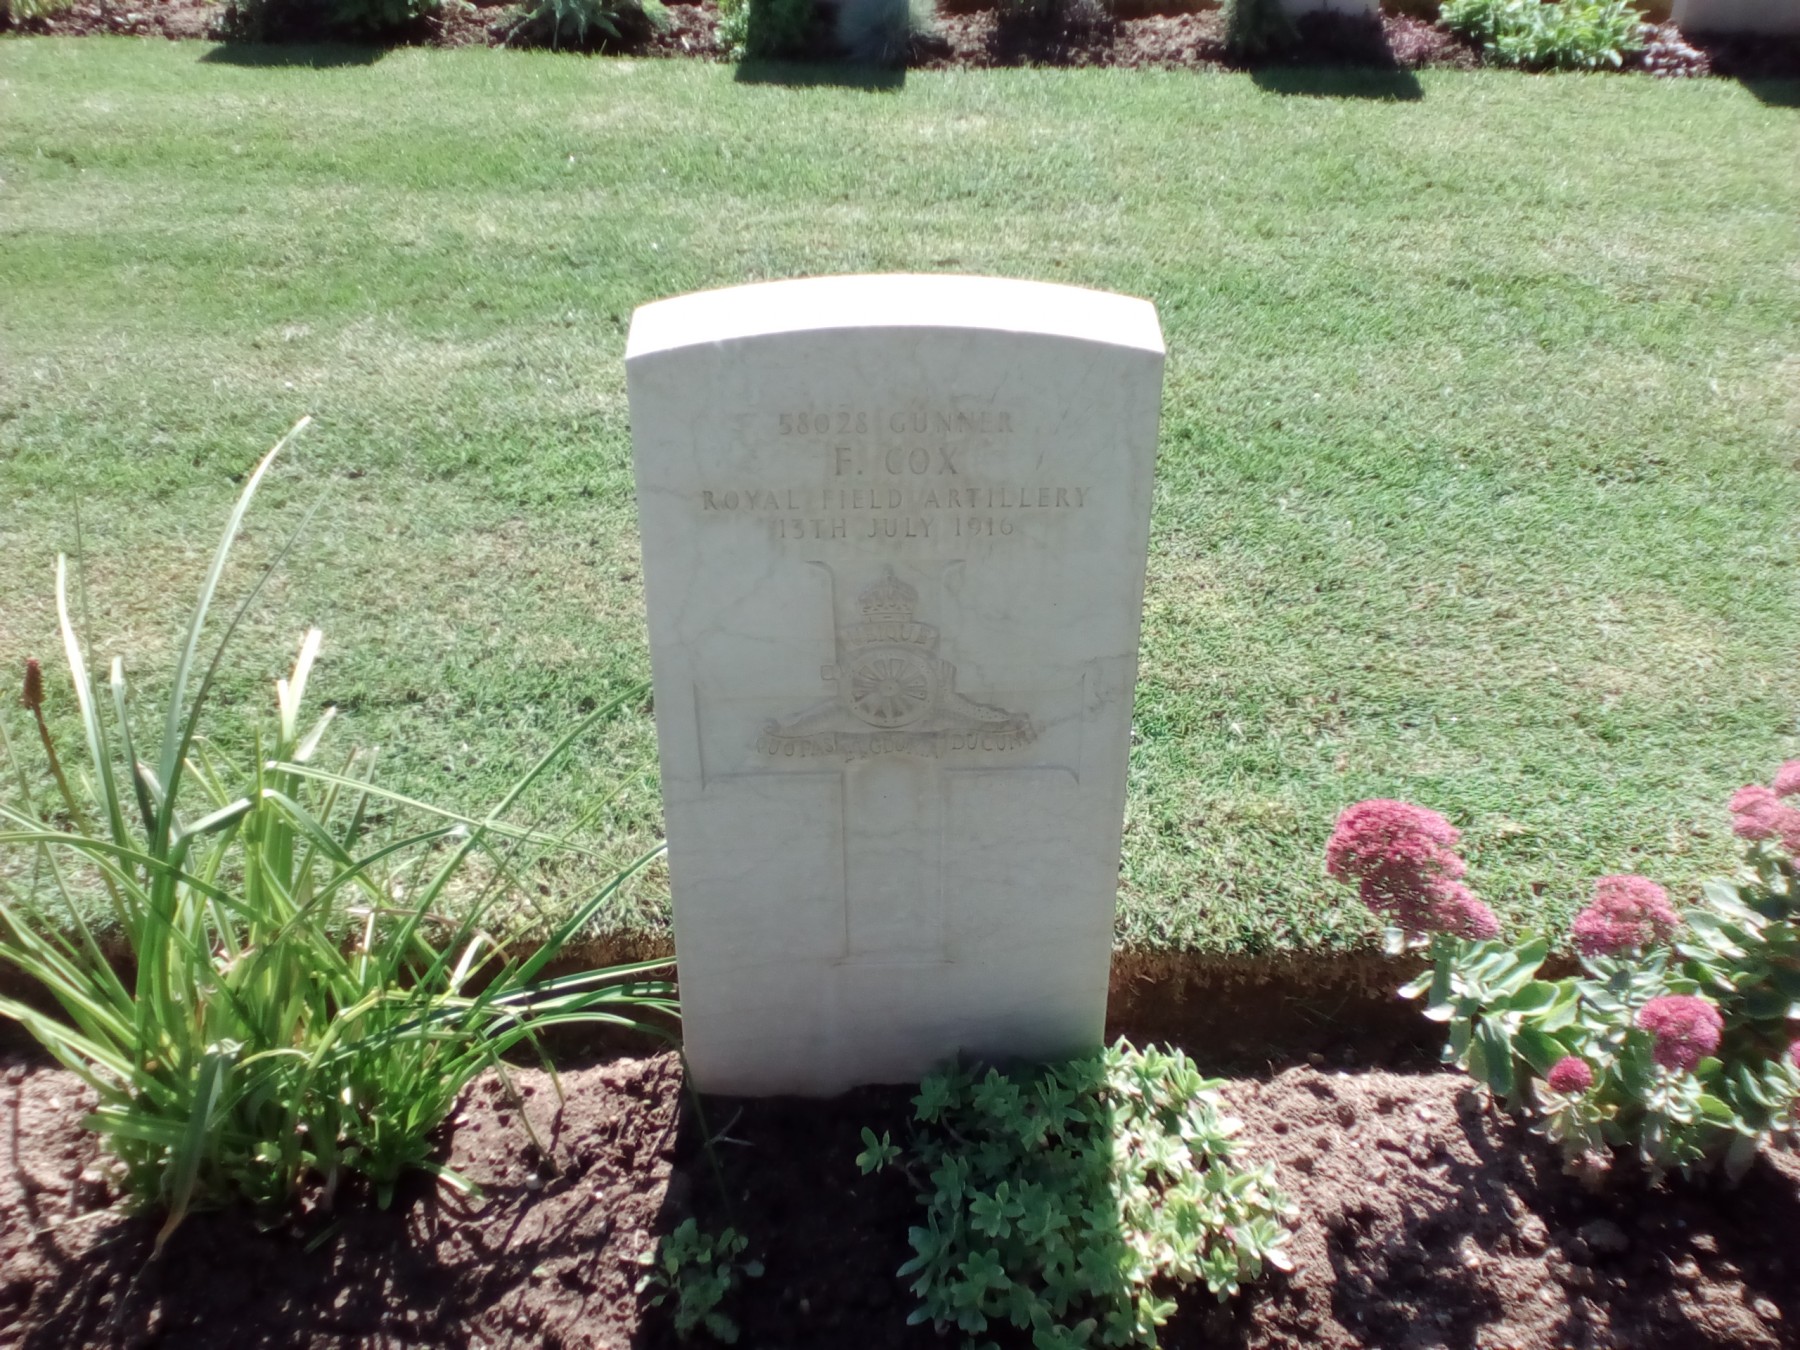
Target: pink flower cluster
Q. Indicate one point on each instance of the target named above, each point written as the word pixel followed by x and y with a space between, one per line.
pixel 1628 914
pixel 1404 863
pixel 1687 1029
pixel 1759 812
pixel 1570 1074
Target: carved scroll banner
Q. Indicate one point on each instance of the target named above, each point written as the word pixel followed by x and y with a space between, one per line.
pixel 894 535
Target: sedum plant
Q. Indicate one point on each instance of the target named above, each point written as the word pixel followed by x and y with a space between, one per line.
pixel 1674 1039
pixel 1549 34
pixel 698 1271
pixel 1073 1199
pixel 246 1050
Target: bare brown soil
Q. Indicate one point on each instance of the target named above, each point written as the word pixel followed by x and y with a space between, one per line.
pixel 174 19
pixel 1427 1220
pixel 981 34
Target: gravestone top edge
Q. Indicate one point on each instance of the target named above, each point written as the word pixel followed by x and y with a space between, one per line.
pixel 894 300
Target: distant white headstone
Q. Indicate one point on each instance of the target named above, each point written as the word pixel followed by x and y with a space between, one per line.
pixel 894 534
pixel 1737 16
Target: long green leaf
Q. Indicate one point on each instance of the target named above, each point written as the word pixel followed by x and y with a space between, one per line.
pixel 93 728
pixel 178 733
pixel 102 852
pixel 140 788
pixel 184 1167
pixel 488 823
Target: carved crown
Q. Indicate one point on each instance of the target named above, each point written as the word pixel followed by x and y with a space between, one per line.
pixel 888 600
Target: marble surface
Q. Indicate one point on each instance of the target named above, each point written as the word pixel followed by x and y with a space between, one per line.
pixel 1737 16
pixel 894 535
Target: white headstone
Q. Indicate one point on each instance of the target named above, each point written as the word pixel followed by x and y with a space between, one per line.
pixel 894 534
pixel 1737 16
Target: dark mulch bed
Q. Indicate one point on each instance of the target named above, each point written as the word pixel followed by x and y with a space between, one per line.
pixel 995 37
pixel 1195 40
pixel 1427 1220
pixel 175 19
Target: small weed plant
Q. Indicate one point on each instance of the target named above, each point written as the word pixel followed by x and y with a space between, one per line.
pixel 250 1049
pixel 1549 34
pixel 699 1272
pixel 1676 1037
pixel 1073 1200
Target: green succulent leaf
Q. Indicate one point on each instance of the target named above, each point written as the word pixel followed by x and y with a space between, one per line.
pixel 1073 1199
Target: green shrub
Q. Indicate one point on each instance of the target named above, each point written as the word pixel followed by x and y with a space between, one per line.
pixel 1541 35
pixel 1257 27
pixel 733 34
pixel 303 20
pixel 765 30
pixel 1071 1199
pixel 248 1052
pixel 583 24
pixel 24 10
pixel 358 18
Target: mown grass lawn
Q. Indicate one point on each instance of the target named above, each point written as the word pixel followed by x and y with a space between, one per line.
pixel 1478 479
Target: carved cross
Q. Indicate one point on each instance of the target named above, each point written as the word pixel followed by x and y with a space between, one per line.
pixel 925 775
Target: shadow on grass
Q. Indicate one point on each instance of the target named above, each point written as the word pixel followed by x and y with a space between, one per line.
pixel 837 75
pixel 1775 93
pixel 1768 65
pixel 1339 56
pixel 318 56
pixel 1385 86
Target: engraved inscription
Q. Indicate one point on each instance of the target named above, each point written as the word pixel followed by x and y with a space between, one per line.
pixel 913 421
pixel 910 475
pixel 891 512
pixel 1009 497
pixel 892 693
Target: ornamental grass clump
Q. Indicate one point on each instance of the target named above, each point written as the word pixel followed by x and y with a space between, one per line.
pixel 1675 1039
pixel 585 25
pixel 307 991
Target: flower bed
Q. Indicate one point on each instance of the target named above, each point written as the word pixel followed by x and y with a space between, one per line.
pixel 1426 1219
pixel 983 37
